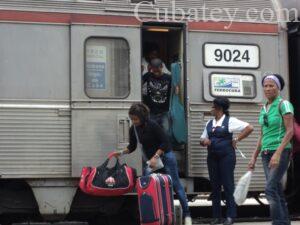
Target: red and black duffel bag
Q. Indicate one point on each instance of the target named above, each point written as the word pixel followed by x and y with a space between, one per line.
pixel 104 181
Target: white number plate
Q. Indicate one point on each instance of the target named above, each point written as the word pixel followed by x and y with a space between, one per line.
pixel 231 55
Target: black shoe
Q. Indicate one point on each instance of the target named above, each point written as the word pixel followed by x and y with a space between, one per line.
pixel 216 221
pixel 228 221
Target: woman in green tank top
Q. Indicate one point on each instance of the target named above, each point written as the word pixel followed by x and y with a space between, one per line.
pixel 276 120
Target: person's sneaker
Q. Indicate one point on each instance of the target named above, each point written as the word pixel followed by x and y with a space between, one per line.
pixel 216 221
pixel 228 221
pixel 188 220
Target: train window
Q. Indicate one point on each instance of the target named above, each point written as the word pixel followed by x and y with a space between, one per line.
pixel 106 68
pixel 232 85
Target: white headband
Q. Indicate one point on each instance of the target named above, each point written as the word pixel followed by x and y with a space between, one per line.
pixel 275 79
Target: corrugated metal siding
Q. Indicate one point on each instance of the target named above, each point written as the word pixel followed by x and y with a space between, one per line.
pixel 188 4
pixel 60 6
pixel 34 143
pixel 124 7
pixel 197 154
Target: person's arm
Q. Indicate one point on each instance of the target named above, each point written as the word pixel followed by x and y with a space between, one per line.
pixel 289 127
pixel 163 139
pixel 204 140
pixel 119 153
pixel 251 164
pixel 286 110
pixel 130 148
pixel 245 133
pixel 236 125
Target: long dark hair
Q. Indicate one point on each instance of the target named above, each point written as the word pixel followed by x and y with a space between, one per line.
pixel 222 103
pixel 141 111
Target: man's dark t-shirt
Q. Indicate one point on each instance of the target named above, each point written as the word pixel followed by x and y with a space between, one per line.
pixel 156 92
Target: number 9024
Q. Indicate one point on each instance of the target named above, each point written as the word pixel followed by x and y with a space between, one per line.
pixel 228 55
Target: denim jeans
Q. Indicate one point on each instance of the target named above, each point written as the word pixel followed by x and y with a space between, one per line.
pixel 170 168
pixel 163 120
pixel 274 191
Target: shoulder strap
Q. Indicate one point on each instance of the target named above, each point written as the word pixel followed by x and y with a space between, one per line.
pixel 226 120
pixel 279 106
pixel 210 124
pixel 136 135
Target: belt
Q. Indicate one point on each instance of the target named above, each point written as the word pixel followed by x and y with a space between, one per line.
pixel 266 152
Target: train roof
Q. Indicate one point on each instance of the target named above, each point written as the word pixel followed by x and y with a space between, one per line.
pixel 253 11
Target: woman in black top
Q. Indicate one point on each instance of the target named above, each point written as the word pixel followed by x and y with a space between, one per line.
pixel 155 144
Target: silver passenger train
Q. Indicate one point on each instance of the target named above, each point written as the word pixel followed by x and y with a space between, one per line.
pixel 70 69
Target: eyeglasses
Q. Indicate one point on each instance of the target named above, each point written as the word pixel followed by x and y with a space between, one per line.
pixel 266 121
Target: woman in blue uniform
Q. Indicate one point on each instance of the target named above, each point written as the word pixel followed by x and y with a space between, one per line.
pixel 221 159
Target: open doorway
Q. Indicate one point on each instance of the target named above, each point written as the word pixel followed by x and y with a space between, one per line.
pixel 166 42
pixel 293 181
pixel 168 39
pixel 294 67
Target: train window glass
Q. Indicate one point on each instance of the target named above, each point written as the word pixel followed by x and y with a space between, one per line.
pixel 232 85
pixel 106 68
pixel 138 1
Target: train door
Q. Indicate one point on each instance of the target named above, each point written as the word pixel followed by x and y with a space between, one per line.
pixel 167 40
pixel 293 184
pixel 104 67
pixel 294 56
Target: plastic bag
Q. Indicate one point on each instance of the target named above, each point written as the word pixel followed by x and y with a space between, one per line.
pixel 242 187
pixel 159 165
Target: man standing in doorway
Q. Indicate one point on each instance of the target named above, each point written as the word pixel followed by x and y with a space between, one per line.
pixel 151 52
pixel 156 92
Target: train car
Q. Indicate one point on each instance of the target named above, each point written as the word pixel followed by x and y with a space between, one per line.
pixel 70 69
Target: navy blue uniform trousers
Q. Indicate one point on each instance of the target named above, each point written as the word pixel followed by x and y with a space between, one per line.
pixel 221 160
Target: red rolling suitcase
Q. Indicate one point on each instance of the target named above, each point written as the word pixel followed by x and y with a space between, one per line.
pixel 155 194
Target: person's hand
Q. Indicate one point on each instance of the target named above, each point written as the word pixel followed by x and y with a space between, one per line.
pixel 251 164
pixel 234 143
pixel 274 162
pixel 114 154
pixel 152 162
pixel 177 90
pixel 205 142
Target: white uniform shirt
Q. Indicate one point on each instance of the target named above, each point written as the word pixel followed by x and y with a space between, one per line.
pixel 145 67
pixel 234 125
